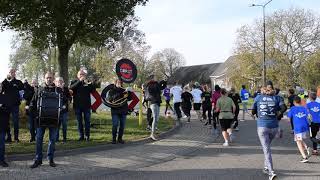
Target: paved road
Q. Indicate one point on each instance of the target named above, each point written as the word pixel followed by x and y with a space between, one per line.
pixel 192 153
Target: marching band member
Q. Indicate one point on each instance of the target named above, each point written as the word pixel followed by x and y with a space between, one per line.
pixel 64 114
pixel 81 90
pixel 119 114
pixel 48 87
pixel 11 87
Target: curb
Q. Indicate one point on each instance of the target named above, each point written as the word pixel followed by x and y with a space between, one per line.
pixel 90 149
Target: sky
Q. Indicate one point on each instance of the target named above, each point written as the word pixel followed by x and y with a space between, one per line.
pixel 203 31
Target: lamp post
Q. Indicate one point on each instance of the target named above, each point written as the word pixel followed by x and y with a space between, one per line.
pixel 264 74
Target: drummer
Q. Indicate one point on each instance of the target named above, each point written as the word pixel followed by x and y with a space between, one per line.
pixel 49 86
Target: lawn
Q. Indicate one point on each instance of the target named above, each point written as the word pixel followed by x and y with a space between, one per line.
pixel 100 134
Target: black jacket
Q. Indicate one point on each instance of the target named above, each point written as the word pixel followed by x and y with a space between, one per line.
pixel 4 112
pixel 236 99
pixel 81 94
pixel 117 92
pixel 186 100
pixel 207 99
pixel 66 98
pixel 28 93
pixel 153 92
pixel 33 104
pixel 11 89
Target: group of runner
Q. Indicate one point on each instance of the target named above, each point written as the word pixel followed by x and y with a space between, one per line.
pixel 304 115
pixel 222 107
pixel 218 107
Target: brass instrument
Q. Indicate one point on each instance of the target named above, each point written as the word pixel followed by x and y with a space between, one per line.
pixel 113 100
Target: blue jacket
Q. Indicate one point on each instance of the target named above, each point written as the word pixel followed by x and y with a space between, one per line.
pixel 267 107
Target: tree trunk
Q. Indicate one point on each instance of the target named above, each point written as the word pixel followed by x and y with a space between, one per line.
pixel 63 63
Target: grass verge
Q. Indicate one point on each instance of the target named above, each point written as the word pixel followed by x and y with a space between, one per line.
pixel 100 133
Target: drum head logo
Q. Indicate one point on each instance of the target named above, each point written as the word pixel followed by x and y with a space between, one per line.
pixel 126 70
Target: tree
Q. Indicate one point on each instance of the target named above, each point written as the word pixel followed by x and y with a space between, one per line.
pixel 63 23
pixel 292 36
pixel 166 62
pixel 30 62
pixel 81 56
pixel 131 45
pixel 310 73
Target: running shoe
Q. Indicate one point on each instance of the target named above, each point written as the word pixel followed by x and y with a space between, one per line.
pixel 225 144
pixel 309 152
pixel 265 170
pixel 231 137
pixel 315 153
pixel 304 160
pixel 272 176
pixel 152 137
pixel 148 128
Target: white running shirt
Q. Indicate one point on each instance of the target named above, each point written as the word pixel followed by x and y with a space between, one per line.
pixel 176 91
pixel 196 93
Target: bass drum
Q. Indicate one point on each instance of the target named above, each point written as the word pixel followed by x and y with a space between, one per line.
pixel 49 108
pixel 111 99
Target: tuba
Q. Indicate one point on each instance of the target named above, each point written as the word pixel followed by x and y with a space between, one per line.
pixel 126 71
pixel 113 100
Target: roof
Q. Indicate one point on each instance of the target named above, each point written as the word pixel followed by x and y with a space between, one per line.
pixel 196 73
pixel 223 68
pixel 201 73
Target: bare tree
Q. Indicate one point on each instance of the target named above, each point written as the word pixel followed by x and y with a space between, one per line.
pixel 167 61
pixel 292 36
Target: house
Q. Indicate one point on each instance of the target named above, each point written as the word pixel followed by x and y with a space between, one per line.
pixel 220 75
pixel 196 73
pixel 215 73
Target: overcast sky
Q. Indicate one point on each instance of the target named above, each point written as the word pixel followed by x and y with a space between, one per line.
pixel 204 31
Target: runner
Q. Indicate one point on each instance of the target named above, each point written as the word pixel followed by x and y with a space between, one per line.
pixel 300 114
pixel 166 94
pixel 226 108
pixel 314 110
pixel 176 92
pixel 244 94
pixel 206 105
pixel 236 100
pixel 290 104
pixel 266 107
pixel 186 97
pixel 215 96
pixel 196 95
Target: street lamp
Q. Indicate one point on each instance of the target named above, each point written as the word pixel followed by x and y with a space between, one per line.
pixel 264 74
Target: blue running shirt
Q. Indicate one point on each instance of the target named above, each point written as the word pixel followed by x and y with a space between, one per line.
pixel 299 115
pixel 314 110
